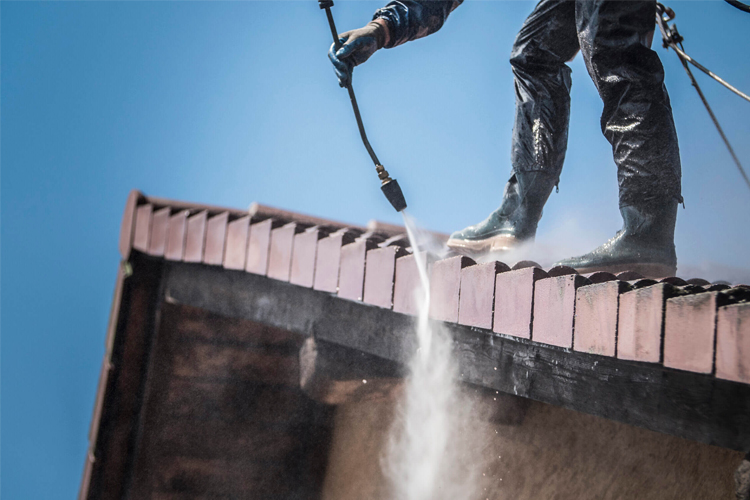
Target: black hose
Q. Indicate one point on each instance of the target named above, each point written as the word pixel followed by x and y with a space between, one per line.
pixel 390 187
pixel 736 3
pixel 327 4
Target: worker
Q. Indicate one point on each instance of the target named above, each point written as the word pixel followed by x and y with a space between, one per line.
pixel 614 38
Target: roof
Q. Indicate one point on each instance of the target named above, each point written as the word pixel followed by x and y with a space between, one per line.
pixel 618 316
pixel 671 355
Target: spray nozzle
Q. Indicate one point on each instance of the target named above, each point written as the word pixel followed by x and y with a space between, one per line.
pixel 391 189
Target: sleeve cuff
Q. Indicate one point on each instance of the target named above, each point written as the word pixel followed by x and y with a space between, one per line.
pixel 386 30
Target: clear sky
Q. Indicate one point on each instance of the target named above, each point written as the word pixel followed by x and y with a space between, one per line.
pixel 229 103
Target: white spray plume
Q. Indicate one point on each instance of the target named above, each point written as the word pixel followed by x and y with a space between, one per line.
pixel 432 454
pixel 566 238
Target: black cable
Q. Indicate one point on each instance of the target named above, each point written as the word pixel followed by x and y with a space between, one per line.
pixel 736 3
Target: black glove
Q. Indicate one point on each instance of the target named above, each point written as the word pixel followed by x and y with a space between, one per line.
pixel 358 46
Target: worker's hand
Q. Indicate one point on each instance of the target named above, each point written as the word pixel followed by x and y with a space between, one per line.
pixel 358 46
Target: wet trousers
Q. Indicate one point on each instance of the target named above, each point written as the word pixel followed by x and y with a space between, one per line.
pixel 614 38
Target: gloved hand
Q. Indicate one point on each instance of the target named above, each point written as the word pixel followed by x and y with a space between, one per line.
pixel 358 46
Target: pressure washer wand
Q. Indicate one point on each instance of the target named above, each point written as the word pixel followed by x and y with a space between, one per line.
pixel 390 187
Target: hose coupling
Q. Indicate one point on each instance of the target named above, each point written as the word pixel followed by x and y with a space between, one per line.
pixel 382 174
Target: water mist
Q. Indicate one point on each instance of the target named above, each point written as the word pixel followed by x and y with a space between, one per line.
pixel 431 454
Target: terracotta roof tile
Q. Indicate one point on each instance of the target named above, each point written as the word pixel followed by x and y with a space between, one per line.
pixel 514 301
pixel 445 287
pixel 716 287
pixel 554 309
pixel 698 282
pixel 407 286
pixel 216 234
pixel 127 226
pixel 159 232
pixel 690 332
pixel 328 260
pixel 630 276
pixel 235 252
pixel 641 322
pixel 601 277
pixel 524 264
pixel 733 343
pixel 280 252
pixel 142 234
pixel 477 297
pixel 561 271
pixel 176 239
pixel 195 241
pixel 304 251
pixel 596 317
pixel 674 280
pixel 258 246
pixel 352 270
pixel 380 271
pixel 643 282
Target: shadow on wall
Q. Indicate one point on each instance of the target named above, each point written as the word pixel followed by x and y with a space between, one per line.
pixel 554 453
pixel 363 444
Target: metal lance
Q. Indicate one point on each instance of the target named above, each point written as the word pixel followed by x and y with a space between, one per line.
pixel 389 186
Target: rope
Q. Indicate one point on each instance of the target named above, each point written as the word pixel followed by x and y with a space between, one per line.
pixel 683 56
pixel 671 38
pixel 716 122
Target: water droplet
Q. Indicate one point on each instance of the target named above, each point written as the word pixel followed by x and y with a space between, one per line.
pixel 364 381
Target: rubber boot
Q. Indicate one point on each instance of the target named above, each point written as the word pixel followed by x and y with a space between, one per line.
pixel 645 244
pixel 514 222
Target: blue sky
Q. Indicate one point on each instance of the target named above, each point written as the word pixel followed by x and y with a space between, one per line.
pixel 229 103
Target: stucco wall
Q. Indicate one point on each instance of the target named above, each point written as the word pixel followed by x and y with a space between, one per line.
pixel 554 454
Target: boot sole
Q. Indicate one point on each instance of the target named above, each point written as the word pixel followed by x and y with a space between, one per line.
pixel 652 271
pixel 499 243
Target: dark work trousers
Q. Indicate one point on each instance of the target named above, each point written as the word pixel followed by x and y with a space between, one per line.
pixel 614 39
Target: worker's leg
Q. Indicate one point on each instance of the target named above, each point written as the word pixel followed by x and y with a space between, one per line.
pixel 637 121
pixel 545 43
pixel 637 117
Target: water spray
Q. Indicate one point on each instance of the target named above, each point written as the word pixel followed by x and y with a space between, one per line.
pixel 389 186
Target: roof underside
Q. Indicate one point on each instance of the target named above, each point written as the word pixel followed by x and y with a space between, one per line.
pixel 245 291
